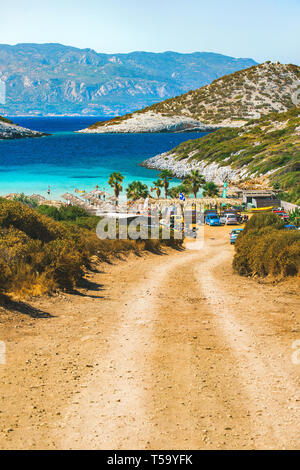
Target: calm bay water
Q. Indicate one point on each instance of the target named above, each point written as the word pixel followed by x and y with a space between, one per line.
pixel 66 160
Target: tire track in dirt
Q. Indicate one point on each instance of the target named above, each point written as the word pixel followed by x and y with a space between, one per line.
pixel 166 381
pixel 273 393
pixel 161 352
pixel 112 411
pixel 191 403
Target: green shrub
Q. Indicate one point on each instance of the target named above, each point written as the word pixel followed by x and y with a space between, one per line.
pixel 50 211
pixel 72 212
pixel 29 201
pixel 63 213
pixel 71 215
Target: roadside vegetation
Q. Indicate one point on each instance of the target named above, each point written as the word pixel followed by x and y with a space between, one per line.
pixel 70 216
pixel 266 248
pixel 48 249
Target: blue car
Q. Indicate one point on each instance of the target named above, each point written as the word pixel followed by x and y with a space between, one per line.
pixel 290 227
pixel 234 234
pixel 213 220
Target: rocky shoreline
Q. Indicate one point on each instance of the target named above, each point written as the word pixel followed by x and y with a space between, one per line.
pixel 211 171
pixel 12 131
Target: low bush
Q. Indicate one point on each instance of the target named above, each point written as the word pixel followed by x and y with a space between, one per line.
pixel 63 213
pixel 35 225
pixel 29 201
pixel 267 248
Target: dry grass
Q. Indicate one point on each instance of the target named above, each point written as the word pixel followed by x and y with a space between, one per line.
pixel 266 248
pixel 39 255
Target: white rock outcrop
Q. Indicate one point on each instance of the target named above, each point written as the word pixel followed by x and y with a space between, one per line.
pixel 149 122
pixel 180 169
pixel 12 131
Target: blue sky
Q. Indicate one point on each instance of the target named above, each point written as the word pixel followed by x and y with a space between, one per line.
pixel 261 29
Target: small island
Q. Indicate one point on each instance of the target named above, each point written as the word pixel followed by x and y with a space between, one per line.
pixel 9 130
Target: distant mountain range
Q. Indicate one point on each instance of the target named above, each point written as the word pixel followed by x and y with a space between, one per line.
pixel 45 79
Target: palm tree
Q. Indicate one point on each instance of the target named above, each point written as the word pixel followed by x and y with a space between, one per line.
pixel 181 188
pixel 194 181
pixel 115 181
pixel 157 187
pixel 137 190
pixel 210 190
pixel 166 176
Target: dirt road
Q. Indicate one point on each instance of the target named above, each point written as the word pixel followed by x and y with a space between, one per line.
pixel 165 352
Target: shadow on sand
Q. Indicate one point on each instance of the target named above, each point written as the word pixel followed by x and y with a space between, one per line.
pixel 24 308
pixel 88 285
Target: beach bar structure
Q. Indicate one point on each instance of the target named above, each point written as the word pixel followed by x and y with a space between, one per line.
pixel 259 199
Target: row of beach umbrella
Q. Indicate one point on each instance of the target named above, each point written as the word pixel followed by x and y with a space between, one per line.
pixel 93 201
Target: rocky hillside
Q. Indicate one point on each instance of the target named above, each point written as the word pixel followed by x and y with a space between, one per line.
pixel 227 102
pixel 265 149
pixel 8 130
pixel 56 79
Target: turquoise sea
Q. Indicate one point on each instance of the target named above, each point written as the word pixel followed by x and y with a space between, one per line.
pixel 66 160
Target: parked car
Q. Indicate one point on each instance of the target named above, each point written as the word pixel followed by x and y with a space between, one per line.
pixel 223 217
pixel 234 234
pixel 290 227
pixel 213 220
pixel 229 219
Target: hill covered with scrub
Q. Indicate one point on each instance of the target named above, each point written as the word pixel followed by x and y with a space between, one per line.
pixel 241 96
pixel 268 147
pixel 229 101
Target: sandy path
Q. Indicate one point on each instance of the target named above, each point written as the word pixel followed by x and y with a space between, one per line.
pixel 168 352
pixel 263 355
pixel 157 403
pixel 112 410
